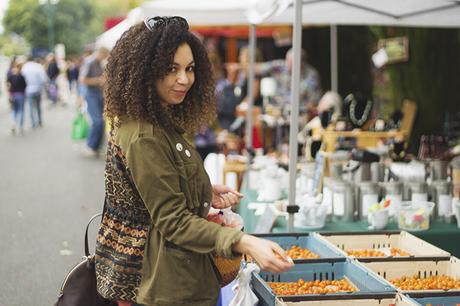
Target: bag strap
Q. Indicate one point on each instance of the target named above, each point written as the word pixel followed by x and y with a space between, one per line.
pixel 86 233
pixel 87 227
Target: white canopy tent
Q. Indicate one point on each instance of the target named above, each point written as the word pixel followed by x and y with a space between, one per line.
pixel 412 13
pixel 197 13
pixel 417 13
pixel 110 37
pixel 213 13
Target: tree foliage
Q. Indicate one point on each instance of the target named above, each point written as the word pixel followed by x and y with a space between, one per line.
pixel 76 22
pixel 70 18
pixel 13 45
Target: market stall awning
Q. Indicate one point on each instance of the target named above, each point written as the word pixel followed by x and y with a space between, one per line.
pixel 199 13
pixel 209 12
pixel 241 31
pixel 413 13
pixel 110 37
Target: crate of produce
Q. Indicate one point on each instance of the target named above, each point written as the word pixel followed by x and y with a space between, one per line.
pixel 399 300
pixel 383 246
pixel 320 281
pixel 434 299
pixel 420 276
pixel 304 247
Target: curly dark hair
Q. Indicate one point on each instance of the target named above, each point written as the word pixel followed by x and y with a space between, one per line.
pixel 140 58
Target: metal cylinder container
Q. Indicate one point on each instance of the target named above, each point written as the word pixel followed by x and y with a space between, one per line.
pixel 368 195
pixel 336 170
pixel 377 172
pixel 442 197
pixel 438 170
pixel 342 201
pixel 394 192
pixel 328 183
pixel 415 191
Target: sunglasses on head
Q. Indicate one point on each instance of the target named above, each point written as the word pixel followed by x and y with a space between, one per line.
pixel 154 22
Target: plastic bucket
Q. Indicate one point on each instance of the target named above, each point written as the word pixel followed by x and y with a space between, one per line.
pixel 415 216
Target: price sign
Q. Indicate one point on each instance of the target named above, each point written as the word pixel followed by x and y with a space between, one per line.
pixel 396 48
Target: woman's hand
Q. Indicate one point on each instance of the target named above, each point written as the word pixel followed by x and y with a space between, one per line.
pixel 223 197
pixel 268 255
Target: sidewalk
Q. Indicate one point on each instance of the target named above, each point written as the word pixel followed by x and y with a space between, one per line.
pixel 48 191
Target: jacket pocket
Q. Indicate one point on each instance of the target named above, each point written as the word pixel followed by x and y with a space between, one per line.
pixel 188 174
pixel 184 277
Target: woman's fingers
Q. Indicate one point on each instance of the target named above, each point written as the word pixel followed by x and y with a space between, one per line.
pixel 281 262
pixel 226 196
pixel 280 251
pixel 236 193
pixel 228 199
pixel 233 198
pixel 267 254
pixel 276 265
pixel 223 202
pixel 225 189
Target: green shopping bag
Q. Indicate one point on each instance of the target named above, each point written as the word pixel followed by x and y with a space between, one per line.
pixel 80 127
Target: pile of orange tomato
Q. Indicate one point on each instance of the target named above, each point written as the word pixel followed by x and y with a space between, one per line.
pixel 376 253
pixel 457 304
pixel 439 282
pixel 296 252
pixel 398 252
pixel 302 287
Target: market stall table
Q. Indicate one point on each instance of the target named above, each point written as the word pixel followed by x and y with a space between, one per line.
pixel 443 235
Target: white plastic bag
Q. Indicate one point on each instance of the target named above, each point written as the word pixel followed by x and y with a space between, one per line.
pixel 243 292
pixel 232 219
pixel 225 217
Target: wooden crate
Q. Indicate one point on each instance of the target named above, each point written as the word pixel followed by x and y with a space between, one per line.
pixel 397 269
pixel 405 241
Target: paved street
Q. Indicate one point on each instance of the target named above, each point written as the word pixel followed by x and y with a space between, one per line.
pixel 48 191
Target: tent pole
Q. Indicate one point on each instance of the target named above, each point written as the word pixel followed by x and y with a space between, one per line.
pixel 251 76
pixel 294 120
pixel 334 66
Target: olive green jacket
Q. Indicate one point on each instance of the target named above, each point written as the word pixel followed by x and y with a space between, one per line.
pixel 169 175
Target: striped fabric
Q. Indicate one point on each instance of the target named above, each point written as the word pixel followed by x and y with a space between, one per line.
pixel 123 232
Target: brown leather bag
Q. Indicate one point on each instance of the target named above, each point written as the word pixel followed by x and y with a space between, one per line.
pixel 79 286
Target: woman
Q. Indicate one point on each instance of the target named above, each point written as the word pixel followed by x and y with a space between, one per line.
pixel 154 244
pixel 17 87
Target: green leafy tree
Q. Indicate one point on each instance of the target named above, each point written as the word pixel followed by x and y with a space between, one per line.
pixel 19 17
pixel 13 45
pixel 30 20
pixel 76 22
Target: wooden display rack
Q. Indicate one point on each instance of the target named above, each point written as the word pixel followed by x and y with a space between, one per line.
pixel 364 139
pixel 370 139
